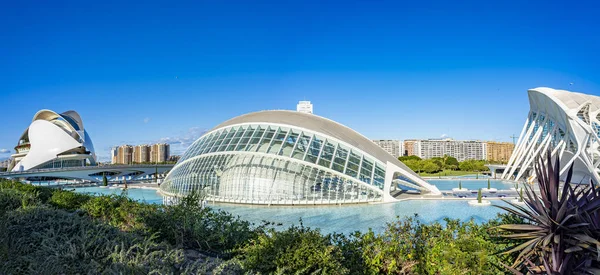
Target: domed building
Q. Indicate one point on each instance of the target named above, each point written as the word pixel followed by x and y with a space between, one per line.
pixel 53 140
pixel 287 157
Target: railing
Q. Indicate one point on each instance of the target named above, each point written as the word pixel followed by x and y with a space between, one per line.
pixel 82 168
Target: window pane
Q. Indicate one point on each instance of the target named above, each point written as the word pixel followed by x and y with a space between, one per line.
pixel 327 154
pixel 366 170
pixel 314 150
pixel 301 147
pixel 236 139
pixel 288 145
pixel 253 143
pixel 245 139
pixel 277 141
pixel 264 143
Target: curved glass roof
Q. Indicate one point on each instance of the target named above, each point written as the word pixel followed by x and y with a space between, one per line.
pixel 292 142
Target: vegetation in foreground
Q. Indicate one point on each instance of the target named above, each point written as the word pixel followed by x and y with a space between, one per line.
pixel 52 231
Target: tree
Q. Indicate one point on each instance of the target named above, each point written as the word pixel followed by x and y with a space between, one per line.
pixel 405 158
pixel 479 196
pixel 104 180
pixel 466 166
pixel 430 166
pixel 451 162
pixel 415 165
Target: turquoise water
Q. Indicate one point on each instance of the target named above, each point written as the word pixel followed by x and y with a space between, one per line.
pixel 472 184
pixel 347 218
pixel 350 218
pixel 138 194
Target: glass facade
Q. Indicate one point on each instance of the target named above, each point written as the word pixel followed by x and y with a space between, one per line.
pixel 269 164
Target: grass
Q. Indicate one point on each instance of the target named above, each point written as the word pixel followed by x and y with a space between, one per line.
pixel 449 173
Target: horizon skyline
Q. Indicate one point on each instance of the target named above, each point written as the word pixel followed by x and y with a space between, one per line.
pixel 181 142
pixel 143 73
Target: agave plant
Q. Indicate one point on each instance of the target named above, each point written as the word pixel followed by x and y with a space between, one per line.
pixel 563 229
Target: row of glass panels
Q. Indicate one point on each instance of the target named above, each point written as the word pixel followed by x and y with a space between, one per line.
pixel 294 143
pixel 248 178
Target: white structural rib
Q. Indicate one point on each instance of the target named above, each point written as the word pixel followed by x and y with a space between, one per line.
pixel 566 124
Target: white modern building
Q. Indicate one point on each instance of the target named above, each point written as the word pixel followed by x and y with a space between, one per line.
pixel 53 140
pixel 287 157
pixel 304 107
pixel 393 147
pixel 460 149
pixel 565 123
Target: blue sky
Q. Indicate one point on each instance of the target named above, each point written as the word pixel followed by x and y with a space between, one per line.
pixel 149 71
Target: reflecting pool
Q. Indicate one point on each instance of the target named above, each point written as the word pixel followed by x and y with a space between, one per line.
pixel 138 194
pixel 348 218
pixel 472 184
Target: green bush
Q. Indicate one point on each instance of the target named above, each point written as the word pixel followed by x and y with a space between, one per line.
pixel 9 200
pixel 38 240
pixel 190 226
pixel 41 194
pixel 297 250
pixel 119 211
pixel 68 200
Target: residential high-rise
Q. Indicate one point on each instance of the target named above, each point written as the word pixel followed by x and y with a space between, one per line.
pixel 141 153
pixel 125 154
pixel 114 152
pixel 393 147
pixel 159 152
pixel 499 151
pixel 304 107
pixel 460 149
pixel 409 147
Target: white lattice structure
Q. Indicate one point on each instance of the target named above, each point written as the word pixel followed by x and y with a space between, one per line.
pixel 285 157
pixel 567 124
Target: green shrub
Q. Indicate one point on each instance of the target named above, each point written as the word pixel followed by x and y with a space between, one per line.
pixel 38 240
pixel 119 211
pixel 190 226
pixel 68 200
pixel 9 200
pixel 42 194
pixel 296 250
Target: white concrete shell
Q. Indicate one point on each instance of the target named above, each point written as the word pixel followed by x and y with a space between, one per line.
pixel 53 140
pixel 287 157
pixel 567 124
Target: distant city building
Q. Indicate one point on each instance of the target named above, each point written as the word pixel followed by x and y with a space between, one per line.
pixel 393 147
pixel 174 158
pixel 304 107
pixel 409 147
pixel 499 151
pixel 5 163
pixel 141 153
pixel 460 149
pixel 159 152
pixel 114 152
pixel 125 154
pixel 129 154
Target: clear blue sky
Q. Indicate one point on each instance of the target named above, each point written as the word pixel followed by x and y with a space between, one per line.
pixel 146 71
